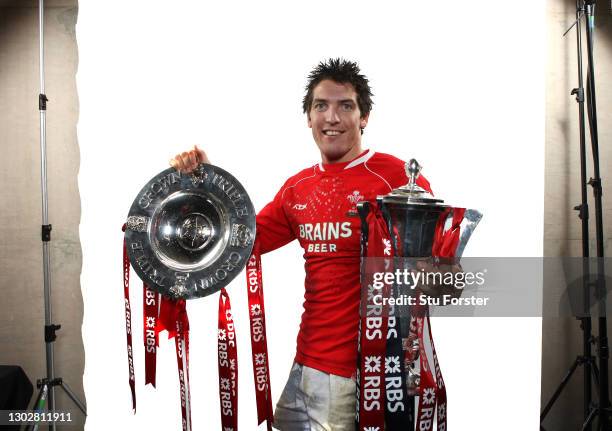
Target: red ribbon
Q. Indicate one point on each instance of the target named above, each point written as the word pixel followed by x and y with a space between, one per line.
pixel 128 322
pixel 427 387
pixel 158 316
pixel 441 387
pixel 259 345
pixel 373 334
pixel 161 313
pixel 446 241
pixel 432 390
pixel 228 365
pixel 150 306
pixel 173 318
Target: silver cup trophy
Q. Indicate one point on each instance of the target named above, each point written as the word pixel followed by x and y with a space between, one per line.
pixel 189 235
pixel 413 216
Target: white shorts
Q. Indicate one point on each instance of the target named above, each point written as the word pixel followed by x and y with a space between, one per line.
pixel 316 401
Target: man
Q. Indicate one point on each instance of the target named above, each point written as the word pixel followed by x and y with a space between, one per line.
pixel 317 207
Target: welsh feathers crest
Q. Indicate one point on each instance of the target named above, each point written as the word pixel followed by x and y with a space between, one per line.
pixel 355 197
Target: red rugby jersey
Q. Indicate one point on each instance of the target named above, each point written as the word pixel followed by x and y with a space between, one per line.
pixel 318 208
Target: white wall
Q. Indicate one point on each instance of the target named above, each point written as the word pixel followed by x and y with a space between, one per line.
pixel 450 86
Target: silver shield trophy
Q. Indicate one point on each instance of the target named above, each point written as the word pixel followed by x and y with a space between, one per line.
pixel 189 235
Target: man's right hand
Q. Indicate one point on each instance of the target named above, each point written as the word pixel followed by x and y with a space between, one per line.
pixel 187 161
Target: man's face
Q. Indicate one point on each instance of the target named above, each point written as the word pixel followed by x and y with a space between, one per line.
pixel 336 121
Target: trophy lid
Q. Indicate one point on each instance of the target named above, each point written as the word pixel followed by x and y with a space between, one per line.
pixel 412 193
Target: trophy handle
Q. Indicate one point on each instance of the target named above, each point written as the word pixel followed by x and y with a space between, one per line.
pixel 199 174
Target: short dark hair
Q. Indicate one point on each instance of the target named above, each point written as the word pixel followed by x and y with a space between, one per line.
pixel 343 72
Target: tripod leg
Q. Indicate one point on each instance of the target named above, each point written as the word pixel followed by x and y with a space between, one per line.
pixel 39 405
pixel 595 372
pixel 73 397
pixel 559 389
pixel 588 421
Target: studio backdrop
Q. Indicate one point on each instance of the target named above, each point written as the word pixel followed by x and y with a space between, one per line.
pixel 459 87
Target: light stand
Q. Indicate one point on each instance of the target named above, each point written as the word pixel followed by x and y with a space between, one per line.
pixel 601 410
pixel 47 385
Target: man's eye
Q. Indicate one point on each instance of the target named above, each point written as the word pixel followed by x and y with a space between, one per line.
pixel 319 106
pixel 347 107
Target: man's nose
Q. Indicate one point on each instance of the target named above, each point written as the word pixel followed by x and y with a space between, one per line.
pixel 331 116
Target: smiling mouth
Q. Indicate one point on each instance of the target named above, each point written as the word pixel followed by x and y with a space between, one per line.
pixel 332 132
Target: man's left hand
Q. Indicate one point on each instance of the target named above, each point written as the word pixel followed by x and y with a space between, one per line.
pixel 436 289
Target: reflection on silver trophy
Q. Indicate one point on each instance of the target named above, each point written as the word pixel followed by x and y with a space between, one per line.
pixel 188 236
pixel 414 214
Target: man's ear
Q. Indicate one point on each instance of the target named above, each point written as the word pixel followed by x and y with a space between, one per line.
pixel 364 121
pixel 309 122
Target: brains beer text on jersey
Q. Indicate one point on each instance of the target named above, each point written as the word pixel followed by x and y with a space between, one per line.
pixel 326 231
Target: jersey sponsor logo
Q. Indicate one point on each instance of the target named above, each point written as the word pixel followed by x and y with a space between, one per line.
pixel 299 207
pixel 316 247
pixel 325 231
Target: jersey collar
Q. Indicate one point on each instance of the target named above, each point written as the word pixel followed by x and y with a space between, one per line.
pixel 337 167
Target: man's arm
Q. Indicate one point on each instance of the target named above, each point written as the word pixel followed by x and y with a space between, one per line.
pixel 273 227
pixel 448 266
